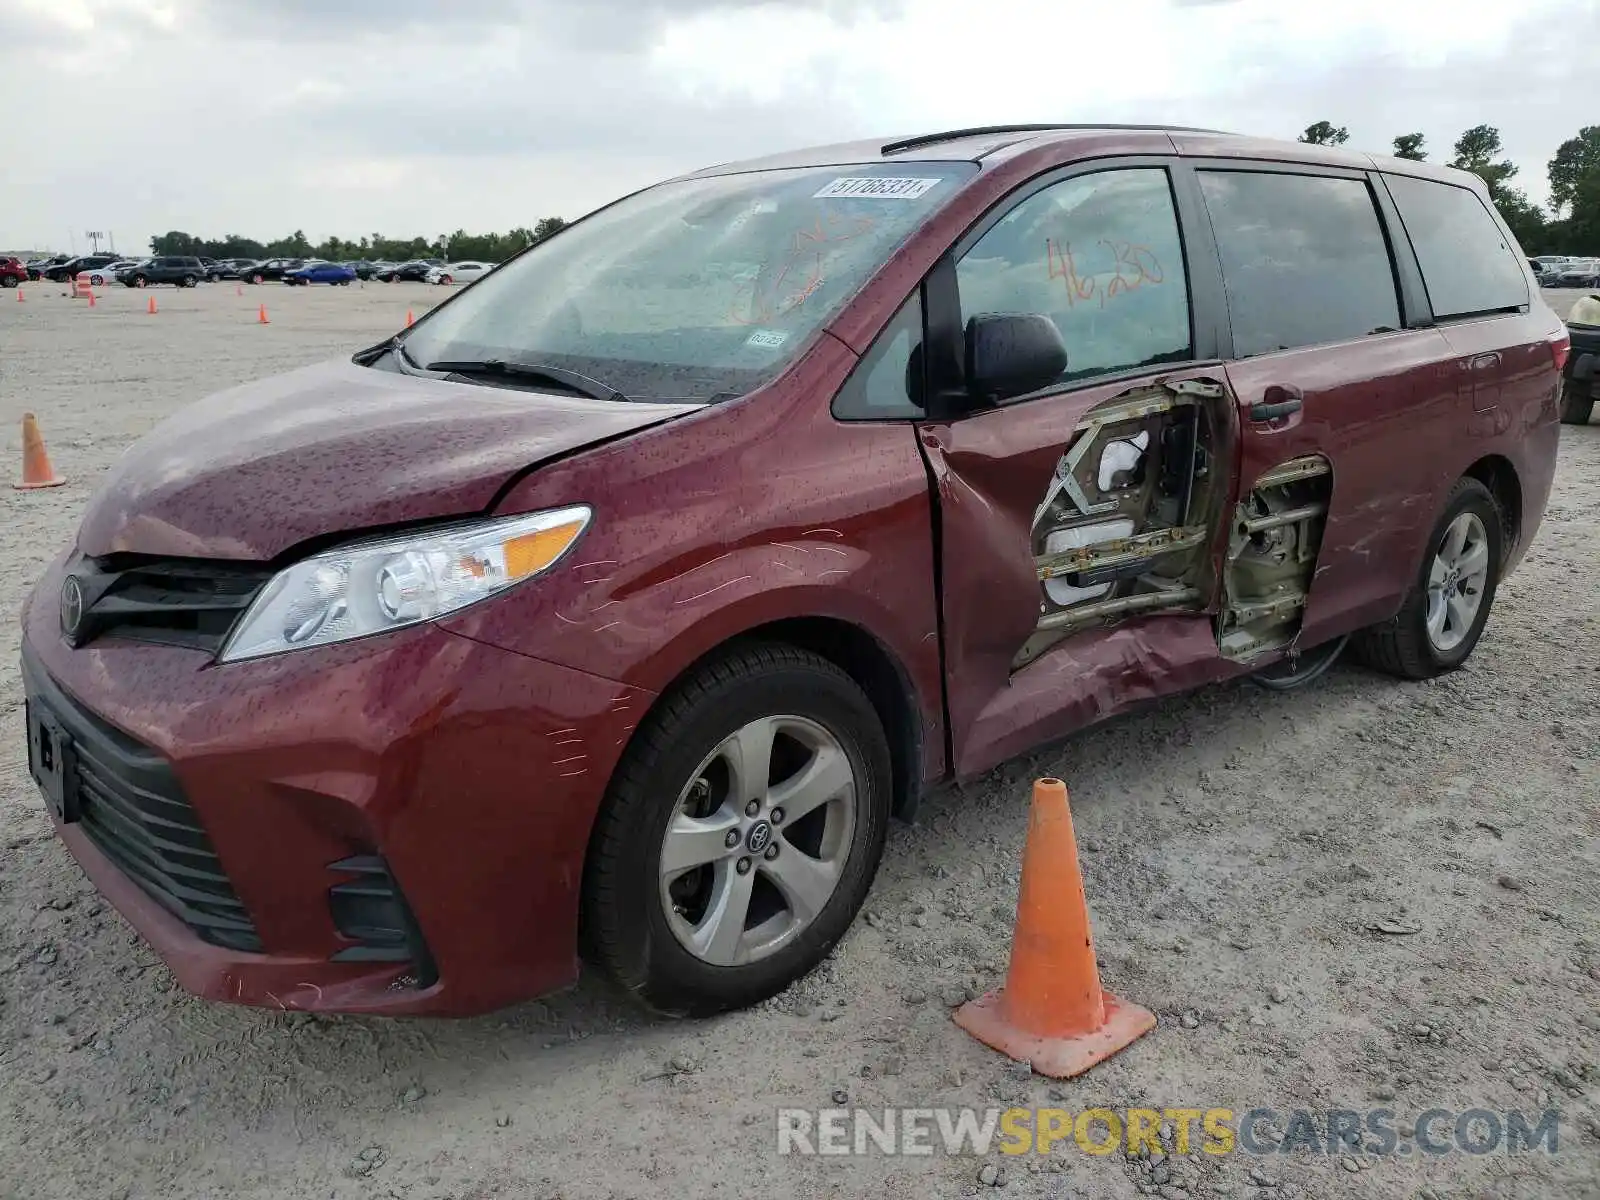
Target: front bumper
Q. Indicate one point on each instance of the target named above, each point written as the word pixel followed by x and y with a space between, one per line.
pixel 462 776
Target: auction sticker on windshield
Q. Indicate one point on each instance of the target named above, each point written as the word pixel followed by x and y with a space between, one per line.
pixel 876 187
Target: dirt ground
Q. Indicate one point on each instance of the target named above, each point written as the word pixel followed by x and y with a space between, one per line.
pixel 1240 849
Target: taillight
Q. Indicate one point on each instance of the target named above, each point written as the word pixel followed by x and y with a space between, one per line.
pixel 1560 349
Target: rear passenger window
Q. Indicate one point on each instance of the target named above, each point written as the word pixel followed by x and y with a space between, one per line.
pixel 1304 259
pixel 1468 265
pixel 1099 255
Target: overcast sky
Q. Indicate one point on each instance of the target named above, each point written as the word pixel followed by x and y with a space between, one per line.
pixel 423 116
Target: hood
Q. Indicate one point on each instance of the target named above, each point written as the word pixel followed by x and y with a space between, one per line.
pixel 334 448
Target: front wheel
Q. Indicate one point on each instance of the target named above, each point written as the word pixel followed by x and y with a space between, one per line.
pixel 1576 408
pixel 740 833
pixel 9 281
pixel 140 281
pixel 1443 616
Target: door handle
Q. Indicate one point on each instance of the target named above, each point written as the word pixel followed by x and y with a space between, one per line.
pixel 1276 403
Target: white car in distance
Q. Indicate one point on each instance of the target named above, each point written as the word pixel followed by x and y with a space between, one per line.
pixel 459 272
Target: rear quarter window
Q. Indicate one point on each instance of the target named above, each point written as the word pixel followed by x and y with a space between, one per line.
pixel 1469 265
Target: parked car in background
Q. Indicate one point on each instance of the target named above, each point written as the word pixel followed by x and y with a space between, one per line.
pixel 13 271
pixel 458 272
pixel 63 272
pixel 176 269
pixel 384 688
pixel 101 276
pixel 1579 273
pixel 1580 385
pixel 39 268
pixel 320 272
pixel 375 266
pixel 227 268
pixel 270 269
pixel 414 271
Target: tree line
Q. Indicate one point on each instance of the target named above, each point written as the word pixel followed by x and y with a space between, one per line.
pixel 454 247
pixel 1572 223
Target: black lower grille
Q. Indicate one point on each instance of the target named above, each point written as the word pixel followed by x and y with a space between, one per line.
pixel 129 805
pixel 372 912
pixel 173 601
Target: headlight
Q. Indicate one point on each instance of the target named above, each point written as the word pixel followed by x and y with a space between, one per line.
pixel 372 587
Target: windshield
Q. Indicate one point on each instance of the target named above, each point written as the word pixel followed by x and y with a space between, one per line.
pixel 696 289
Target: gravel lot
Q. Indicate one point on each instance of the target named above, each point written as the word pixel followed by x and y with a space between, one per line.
pixel 1239 847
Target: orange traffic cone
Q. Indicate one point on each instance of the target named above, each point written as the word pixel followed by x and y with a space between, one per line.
pixel 151 307
pixel 409 318
pixel 20 300
pixel 261 317
pixel 36 469
pixel 90 293
pixel 1051 1011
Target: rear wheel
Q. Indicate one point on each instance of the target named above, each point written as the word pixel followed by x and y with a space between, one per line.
pixel 97 280
pixel 1443 617
pixel 140 281
pixel 257 277
pixel 190 281
pixel 9 281
pixel 1576 406
pixel 740 833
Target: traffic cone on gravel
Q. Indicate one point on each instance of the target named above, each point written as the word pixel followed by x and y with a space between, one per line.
pixel 20 300
pixel 90 294
pixel 151 307
pixel 36 469
pixel 1051 1011
pixel 409 318
pixel 261 317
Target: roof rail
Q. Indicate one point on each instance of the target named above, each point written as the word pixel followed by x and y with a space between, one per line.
pixel 951 135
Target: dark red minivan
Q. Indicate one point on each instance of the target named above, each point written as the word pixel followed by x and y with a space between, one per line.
pixel 620 602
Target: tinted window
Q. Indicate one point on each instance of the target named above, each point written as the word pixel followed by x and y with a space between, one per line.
pixel 1100 255
pixel 1303 257
pixel 1468 264
pixel 881 386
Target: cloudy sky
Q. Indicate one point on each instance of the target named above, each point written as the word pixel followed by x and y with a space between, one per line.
pixel 423 116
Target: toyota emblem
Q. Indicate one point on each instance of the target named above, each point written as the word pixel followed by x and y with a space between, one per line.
pixel 759 837
pixel 71 606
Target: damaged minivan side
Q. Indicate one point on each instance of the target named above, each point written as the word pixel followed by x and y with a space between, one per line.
pixel 616 606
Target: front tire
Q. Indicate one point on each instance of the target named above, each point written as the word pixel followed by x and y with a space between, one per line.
pixel 740 832
pixel 1444 614
pixel 190 281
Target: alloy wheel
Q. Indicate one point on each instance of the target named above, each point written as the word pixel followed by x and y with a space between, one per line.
pixel 758 840
pixel 1456 581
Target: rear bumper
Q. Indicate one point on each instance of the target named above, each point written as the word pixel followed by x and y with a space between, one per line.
pixel 463 777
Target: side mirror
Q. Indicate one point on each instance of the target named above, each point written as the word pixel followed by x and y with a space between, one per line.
pixel 1012 354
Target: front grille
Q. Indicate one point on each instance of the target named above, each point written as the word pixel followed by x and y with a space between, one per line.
pixel 131 807
pixel 188 602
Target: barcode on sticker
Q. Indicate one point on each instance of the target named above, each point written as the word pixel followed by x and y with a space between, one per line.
pixel 767 337
pixel 876 187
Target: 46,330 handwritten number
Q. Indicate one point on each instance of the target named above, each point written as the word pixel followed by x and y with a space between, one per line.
pixel 1135 266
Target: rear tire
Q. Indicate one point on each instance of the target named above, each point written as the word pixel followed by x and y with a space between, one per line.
pixel 1575 409
pixel 1446 588
pixel 9 281
pixel 640 921
pixel 189 281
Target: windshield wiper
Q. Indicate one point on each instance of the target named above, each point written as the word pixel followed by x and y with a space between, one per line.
pixel 570 380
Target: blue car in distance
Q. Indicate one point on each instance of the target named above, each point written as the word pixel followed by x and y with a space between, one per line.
pixel 322 272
